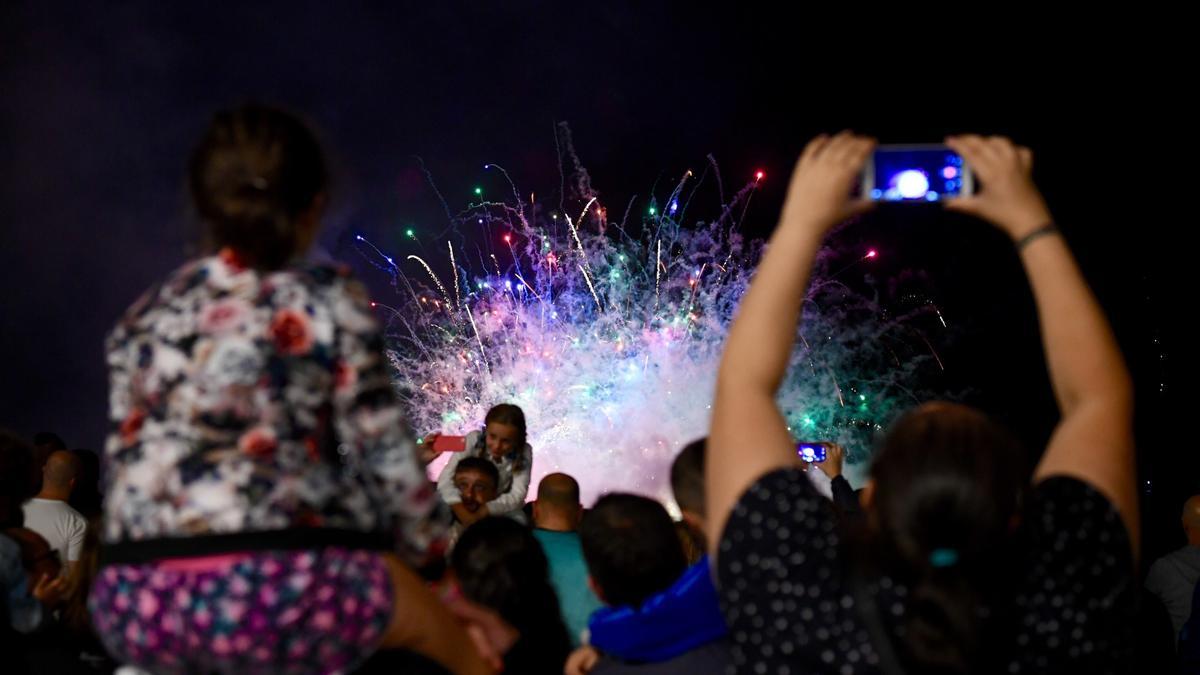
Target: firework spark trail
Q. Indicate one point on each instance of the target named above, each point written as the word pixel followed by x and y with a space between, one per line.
pixel 615 366
pixel 454 271
pixel 431 276
pixel 591 288
pixel 657 271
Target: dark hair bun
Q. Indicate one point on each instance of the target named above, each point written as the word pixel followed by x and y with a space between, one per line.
pixel 254 172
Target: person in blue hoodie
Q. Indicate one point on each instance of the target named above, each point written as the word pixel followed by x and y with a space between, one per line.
pixel 660 615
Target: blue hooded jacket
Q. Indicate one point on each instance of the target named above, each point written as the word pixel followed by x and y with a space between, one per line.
pixel 677 620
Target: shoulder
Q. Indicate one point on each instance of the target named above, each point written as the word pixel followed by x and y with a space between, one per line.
pixel 183 279
pixel 1062 508
pixel 780 518
pixel 75 517
pixel 1172 564
pixel 335 280
pixel 38 508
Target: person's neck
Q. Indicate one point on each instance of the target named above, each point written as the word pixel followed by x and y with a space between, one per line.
pixel 53 495
pixel 555 523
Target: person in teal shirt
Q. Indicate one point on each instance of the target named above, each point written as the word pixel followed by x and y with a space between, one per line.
pixel 556 516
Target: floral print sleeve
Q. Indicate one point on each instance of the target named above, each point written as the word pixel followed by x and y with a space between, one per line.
pixel 245 401
pixel 370 426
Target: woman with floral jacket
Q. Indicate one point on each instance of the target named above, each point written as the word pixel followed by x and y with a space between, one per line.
pixel 264 502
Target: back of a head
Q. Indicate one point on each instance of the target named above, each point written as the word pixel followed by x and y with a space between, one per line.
pixel 558 491
pixel 687 477
pixel 256 170
pixel 948 483
pixel 16 460
pixel 49 440
pixel 45 443
pixel 86 496
pixel 62 469
pixel 1190 520
pixel 631 548
pixel 500 564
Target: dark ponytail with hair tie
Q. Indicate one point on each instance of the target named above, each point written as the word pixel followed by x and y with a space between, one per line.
pixel 947 484
pixel 254 173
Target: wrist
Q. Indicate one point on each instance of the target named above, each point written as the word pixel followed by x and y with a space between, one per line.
pixel 1046 230
pixel 797 217
pixel 1027 221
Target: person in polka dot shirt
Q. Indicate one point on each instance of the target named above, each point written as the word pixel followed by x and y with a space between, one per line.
pixel 963 564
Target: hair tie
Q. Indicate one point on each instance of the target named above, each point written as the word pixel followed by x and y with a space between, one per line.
pixel 943 557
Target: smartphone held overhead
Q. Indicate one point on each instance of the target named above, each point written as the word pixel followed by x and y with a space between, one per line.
pixel 915 174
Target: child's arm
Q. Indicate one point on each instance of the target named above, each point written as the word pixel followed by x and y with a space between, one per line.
pixel 514 499
pixel 445 481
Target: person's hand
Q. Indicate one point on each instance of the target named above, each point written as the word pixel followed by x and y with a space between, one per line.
pixel 819 193
pixel 835 457
pixel 425 451
pixel 1009 198
pixel 491 635
pixel 581 661
pixel 50 591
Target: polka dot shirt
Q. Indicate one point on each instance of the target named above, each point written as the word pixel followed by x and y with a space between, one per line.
pixel 791 609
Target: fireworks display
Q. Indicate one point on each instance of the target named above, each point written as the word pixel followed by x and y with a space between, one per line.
pixel 608 332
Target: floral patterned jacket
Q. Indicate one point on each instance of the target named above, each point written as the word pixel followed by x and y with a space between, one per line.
pixel 244 401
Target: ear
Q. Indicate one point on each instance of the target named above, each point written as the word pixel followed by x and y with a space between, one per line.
pixel 596 589
pixel 536 517
pixel 578 514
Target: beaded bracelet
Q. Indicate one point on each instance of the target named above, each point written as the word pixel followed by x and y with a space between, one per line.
pixel 1049 228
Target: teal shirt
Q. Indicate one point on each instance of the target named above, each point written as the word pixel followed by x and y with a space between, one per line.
pixel 568 574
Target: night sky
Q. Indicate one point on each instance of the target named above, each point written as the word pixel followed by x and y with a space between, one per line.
pixel 99 109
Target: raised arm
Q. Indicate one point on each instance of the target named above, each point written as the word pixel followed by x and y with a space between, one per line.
pixel 749 435
pixel 1094 439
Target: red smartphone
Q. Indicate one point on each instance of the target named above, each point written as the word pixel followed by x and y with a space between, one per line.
pixel 445 443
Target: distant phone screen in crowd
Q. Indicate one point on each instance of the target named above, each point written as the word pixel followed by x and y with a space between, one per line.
pixel 811 452
pixel 915 173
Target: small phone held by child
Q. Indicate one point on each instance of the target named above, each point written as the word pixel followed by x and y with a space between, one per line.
pixel 442 443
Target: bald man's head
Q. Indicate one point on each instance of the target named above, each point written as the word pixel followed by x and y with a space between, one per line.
pixel 557 505
pixel 1191 520
pixel 559 489
pixel 62 468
